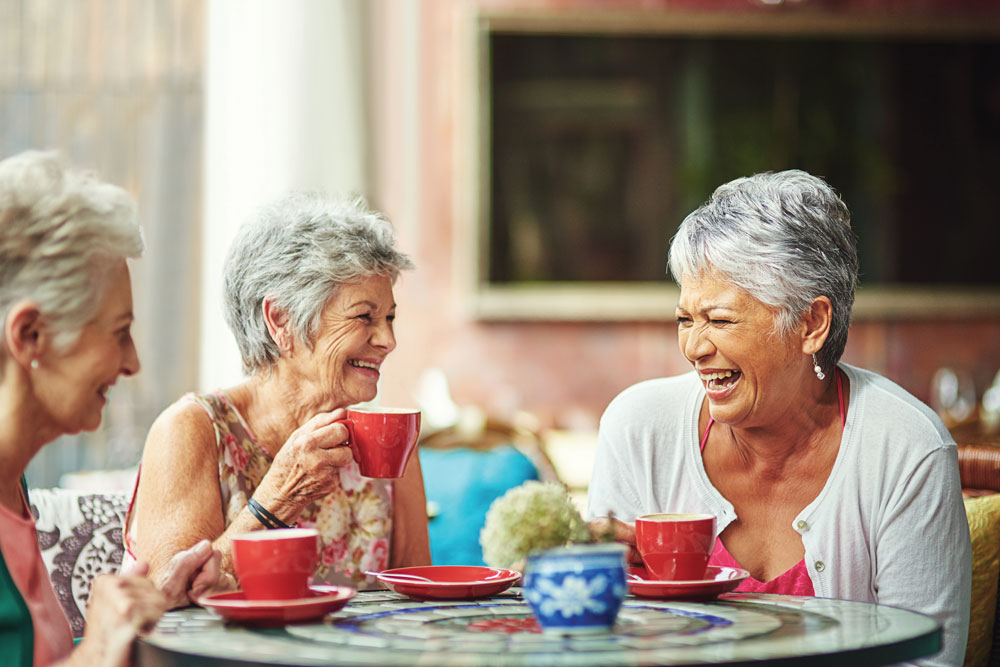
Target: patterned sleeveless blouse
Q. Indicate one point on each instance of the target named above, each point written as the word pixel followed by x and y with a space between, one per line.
pixel 354 521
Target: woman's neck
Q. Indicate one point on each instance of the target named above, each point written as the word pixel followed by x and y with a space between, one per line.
pixel 798 429
pixel 273 405
pixel 20 435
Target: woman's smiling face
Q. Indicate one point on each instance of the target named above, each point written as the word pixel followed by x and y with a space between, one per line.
pixel 355 335
pixel 73 384
pixel 749 372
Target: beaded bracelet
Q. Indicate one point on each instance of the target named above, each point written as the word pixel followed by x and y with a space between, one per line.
pixel 265 517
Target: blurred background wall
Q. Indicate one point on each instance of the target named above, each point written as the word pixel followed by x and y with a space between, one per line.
pixel 565 372
pixel 205 109
pixel 117 87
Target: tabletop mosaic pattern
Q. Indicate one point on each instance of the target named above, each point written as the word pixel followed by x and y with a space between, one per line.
pixel 388 629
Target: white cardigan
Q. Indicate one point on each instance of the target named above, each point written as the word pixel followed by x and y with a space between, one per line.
pixel 888 527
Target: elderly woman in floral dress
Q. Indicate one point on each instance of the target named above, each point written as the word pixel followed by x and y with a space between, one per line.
pixel 308 295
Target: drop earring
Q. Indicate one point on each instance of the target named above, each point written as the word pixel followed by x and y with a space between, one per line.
pixel 817 368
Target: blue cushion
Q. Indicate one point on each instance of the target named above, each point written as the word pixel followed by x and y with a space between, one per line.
pixel 462 483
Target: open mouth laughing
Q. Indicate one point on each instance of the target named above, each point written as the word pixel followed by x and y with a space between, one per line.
pixel 719 382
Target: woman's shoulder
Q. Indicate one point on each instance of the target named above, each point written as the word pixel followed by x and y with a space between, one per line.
pixel 205 409
pixel 887 406
pixel 656 389
pixel 660 397
pixel 190 415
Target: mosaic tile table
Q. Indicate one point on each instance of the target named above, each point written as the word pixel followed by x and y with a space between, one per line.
pixel 380 628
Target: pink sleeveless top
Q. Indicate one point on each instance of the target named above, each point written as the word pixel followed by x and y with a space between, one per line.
pixel 19 548
pixel 794 581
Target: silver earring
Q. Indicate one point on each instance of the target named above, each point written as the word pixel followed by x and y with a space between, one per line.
pixel 34 364
pixel 818 369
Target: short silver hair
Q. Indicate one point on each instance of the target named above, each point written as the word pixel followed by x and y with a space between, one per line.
pixel 299 250
pixel 785 238
pixel 61 233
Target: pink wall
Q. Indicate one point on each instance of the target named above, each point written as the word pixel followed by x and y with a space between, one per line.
pixel 566 373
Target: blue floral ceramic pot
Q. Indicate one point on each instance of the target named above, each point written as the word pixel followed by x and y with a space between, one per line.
pixel 576 589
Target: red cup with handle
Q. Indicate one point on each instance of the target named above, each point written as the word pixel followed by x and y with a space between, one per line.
pixel 276 564
pixel 675 547
pixel 382 439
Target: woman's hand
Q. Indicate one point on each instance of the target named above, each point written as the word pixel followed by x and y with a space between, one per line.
pixel 121 608
pixel 604 528
pixel 193 573
pixel 306 468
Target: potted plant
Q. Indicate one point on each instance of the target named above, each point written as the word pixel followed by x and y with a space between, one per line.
pixel 572 582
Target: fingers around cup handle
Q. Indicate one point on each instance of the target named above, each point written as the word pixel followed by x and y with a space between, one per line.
pixel 350 438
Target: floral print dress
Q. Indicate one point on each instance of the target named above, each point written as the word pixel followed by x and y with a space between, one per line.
pixel 354 521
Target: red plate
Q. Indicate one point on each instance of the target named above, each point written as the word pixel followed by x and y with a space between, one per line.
pixel 718 580
pixel 448 582
pixel 321 600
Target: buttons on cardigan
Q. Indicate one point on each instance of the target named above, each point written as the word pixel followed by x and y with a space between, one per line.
pixel 819 566
pixel 802 525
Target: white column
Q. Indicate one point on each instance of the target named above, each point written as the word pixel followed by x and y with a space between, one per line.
pixel 284 110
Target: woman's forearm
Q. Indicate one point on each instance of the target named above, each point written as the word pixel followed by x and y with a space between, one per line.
pixel 410 542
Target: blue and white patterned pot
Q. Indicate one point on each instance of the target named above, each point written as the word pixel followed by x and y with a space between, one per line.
pixel 576 589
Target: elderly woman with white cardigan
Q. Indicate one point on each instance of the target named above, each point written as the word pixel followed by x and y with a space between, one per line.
pixel 826 479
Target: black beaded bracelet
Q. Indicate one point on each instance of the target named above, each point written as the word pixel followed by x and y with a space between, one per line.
pixel 265 517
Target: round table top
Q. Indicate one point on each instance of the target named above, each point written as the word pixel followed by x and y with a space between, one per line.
pixel 382 628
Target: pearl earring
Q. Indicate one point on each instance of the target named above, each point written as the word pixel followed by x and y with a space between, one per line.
pixel 818 369
pixel 34 364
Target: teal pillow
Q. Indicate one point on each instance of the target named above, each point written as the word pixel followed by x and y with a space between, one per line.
pixel 462 483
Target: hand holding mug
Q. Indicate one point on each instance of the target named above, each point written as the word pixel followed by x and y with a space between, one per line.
pixel 307 466
pixel 607 528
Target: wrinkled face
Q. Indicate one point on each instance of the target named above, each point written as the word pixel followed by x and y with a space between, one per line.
pixel 751 375
pixel 73 384
pixel 354 337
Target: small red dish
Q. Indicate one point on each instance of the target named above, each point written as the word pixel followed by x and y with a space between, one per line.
pixel 718 580
pixel 234 606
pixel 448 582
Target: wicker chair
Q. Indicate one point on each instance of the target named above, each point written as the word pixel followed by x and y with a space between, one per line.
pixel 979 469
pixel 978 458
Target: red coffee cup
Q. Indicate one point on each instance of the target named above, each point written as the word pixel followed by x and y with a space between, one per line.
pixel 276 564
pixel 382 439
pixel 675 547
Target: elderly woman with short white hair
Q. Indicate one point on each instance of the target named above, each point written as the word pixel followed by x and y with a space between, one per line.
pixel 826 479
pixel 66 300
pixel 309 297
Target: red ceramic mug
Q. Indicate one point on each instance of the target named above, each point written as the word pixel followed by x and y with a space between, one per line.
pixel 382 439
pixel 276 564
pixel 675 547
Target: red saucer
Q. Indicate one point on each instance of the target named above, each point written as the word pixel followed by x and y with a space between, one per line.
pixel 717 580
pixel 448 582
pixel 233 606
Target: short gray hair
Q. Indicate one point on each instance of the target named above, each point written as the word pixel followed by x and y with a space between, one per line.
pixel 299 250
pixel 61 233
pixel 785 238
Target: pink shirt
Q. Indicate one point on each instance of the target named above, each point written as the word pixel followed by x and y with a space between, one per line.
pixel 795 581
pixel 19 546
